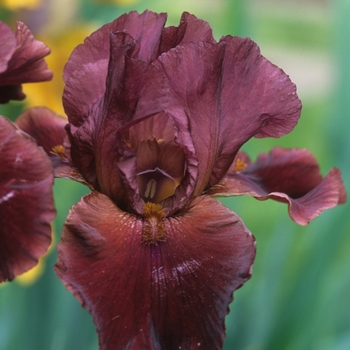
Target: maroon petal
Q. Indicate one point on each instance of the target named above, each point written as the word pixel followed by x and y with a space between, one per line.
pixel 135 89
pixel 190 29
pixel 26 202
pixel 290 176
pixel 173 295
pixel 226 93
pixel 45 126
pixel 7 45
pixel 26 64
pixel 85 73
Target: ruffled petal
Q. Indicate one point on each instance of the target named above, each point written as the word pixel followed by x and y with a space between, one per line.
pixel 290 176
pixel 226 93
pixel 26 64
pixel 190 29
pixel 86 71
pixel 110 83
pixel 171 295
pixel 26 202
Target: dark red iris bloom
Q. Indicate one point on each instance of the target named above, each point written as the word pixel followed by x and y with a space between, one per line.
pixel 21 61
pixel 157 117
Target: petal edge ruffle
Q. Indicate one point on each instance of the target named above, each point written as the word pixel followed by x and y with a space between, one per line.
pixel 289 176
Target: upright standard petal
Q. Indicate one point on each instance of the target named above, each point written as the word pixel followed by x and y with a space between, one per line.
pixel 135 89
pixel 26 65
pixel 86 71
pixel 170 295
pixel 26 202
pixel 226 93
pixel 290 176
pixel 110 82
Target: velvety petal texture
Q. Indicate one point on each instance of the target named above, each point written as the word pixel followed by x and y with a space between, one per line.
pixel 287 175
pixel 232 94
pixel 26 202
pixel 170 295
pixel 23 62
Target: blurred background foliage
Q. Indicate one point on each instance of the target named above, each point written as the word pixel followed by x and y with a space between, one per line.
pixel 299 295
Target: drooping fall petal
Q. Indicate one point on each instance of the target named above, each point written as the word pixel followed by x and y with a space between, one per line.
pixel 290 176
pixel 26 63
pixel 26 203
pixel 226 93
pixel 170 295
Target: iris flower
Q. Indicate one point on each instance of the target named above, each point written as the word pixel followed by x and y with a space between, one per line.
pixel 157 116
pixel 21 61
pixel 156 119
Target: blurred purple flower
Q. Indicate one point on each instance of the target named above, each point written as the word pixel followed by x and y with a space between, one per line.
pixel 21 61
pixel 26 202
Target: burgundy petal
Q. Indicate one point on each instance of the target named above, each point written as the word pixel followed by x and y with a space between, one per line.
pixel 86 71
pixel 26 202
pixel 290 176
pixel 225 93
pixel 171 295
pixel 136 89
pixel 26 64
pixel 190 29
pixel 45 126
pixel 7 45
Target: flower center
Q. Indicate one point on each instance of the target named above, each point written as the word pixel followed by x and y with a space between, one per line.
pixel 155 185
pixel 160 168
pixel 153 227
